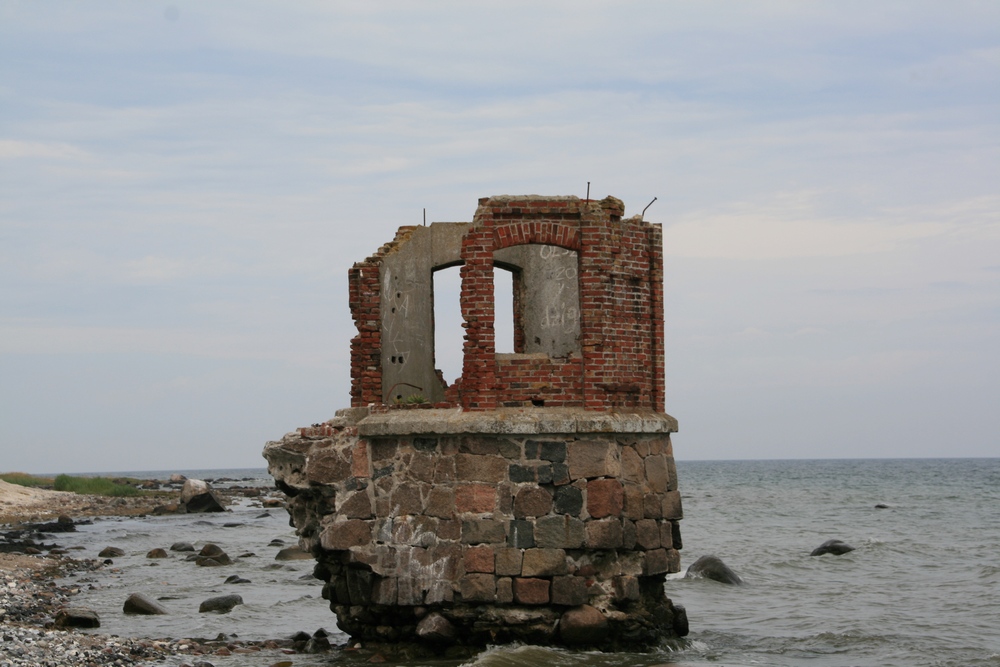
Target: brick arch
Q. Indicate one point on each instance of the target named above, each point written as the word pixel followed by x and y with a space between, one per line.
pixel 521 232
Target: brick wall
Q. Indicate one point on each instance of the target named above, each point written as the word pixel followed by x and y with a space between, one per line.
pixel 621 310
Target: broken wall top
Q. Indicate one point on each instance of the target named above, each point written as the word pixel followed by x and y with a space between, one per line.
pixel 588 309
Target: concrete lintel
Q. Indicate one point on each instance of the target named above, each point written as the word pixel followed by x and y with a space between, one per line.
pixel 513 421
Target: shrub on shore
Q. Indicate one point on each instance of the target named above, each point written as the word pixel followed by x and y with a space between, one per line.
pixel 24 479
pixel 94 486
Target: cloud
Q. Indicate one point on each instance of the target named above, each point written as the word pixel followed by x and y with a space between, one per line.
pixel 14 149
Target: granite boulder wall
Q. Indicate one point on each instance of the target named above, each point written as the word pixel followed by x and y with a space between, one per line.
pixel 442 527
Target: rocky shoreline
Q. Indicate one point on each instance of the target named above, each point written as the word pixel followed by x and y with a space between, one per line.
pixel 37 589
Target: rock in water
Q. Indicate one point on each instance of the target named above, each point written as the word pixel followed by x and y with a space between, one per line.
pixel 222 604
pixel 142 604
pixel 197 496
pixel 583 626
pixel 78 617
pixel 712 567
pixel 156 553
pixel 111 552
pixel 292 553
pixel 835 547
pixel 182 546
pixel 435 627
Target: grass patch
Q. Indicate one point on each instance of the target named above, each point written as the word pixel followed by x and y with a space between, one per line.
pixel 24 479
pixel 95 486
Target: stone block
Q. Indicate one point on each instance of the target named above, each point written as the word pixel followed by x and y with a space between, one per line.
pixel 544 563
pixel 673 561
pixel 327 466
pixel 360 464
pixel 605 497
pixel 552 450
pixel 657 474
pixel 633 506
pixel 384 591
pixel 478 588
pixel 655 562
pixel 342 535
pixel 406 499
pixel 560 474
pixel 483 531
pixel 652 506
pixel 439 591
pixel 568 500
pixel 359 585
pixel 357 505
pixel 505 590
pixel 559 532
pixel 421 467
pixel 532 501
pixel 666 534
pixel 604 534
pixel 647 534
pixel 672 505
pixel 476 468
pixel 569 590
pixel 518 473
pixel 408 592
pixel 507 562
pixel 444 470
pixel 477 498
pixel 632 466
pixel 592 458
pixel 449 529
pixel 626 587
pixel 479 558
pixel 531 591
pixel 479 444
pixel 521 534
pixel 441 502
pixel 628 534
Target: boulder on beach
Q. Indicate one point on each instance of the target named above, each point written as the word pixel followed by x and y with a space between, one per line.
pixel 157 553
pixel 111 552
pixel 222 604
pixel 77 617
pixel 197 497
pixel 177 478
pixel 143 605
pixel 712 567
pixel 835 547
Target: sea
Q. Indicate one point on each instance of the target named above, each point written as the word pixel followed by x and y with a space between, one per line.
pixel 920 588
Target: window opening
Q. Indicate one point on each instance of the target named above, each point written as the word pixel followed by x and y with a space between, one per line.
pixel 503 310
pixel 449 336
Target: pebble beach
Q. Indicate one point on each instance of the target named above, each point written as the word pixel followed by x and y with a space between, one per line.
pixel 39 584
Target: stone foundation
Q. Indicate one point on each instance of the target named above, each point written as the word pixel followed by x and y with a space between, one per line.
pixel 443 527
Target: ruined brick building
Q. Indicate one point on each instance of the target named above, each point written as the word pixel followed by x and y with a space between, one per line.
pixel 535 498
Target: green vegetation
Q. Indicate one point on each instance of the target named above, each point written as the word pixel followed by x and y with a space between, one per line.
pixel 24 479
pixel 415 399
pixel 95 486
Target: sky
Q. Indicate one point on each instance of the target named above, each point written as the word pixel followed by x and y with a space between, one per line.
pixel 184 186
